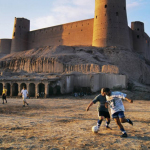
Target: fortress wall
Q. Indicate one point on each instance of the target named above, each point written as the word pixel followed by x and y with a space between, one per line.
pixel 71 34
pixel 141 43
pixel 20 35
pixel 110 24
pixel 45 37
pixel 5 46
pixel 131 38
pixel 78 33
pixel 145 75
pixel 147 46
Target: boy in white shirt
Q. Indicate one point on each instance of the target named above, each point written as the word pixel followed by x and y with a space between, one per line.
pixel 24 93
pixel 114 99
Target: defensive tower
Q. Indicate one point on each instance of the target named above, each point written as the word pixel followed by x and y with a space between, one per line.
pixel 110 24
pixel 20 35
pixel 138 36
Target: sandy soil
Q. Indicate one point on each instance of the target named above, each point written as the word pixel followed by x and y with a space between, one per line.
pixel 62 123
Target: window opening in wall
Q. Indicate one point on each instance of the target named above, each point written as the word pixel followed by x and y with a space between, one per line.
pixel 138 29
pixel 96 17
pixel 117 13
pixel 138 36
pixel 124 8
pixel 14 33
pixel 105 6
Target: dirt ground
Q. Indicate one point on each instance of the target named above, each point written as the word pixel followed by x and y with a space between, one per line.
pixel 63 124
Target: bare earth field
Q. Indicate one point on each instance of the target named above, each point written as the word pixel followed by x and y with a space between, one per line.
pixel 62 123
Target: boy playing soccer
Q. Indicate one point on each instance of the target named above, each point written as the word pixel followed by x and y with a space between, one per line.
pixel 114 99
pixel 102 110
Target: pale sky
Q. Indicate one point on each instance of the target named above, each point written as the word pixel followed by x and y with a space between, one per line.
pixel 46 13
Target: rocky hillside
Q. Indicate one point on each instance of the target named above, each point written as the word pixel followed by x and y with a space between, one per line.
pixel 80 59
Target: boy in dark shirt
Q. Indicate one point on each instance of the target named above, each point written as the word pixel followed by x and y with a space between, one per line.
pixel 102 110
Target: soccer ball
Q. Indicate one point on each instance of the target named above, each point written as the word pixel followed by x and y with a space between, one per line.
pixel 95 129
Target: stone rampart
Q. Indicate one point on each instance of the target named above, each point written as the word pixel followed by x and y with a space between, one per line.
pixel 76 33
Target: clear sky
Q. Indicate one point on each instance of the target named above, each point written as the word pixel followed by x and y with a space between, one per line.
pixel 46 13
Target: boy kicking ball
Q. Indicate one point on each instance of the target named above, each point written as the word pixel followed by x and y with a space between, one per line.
pixel 102 110
pixel 114 99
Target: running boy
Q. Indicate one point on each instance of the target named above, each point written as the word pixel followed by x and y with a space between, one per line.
pixel 102 110
pixel 114 99
pixel 24 96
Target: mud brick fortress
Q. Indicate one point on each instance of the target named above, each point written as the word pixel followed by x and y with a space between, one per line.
pixel 56 50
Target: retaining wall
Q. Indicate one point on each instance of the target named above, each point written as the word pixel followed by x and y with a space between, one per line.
pixel 94 81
